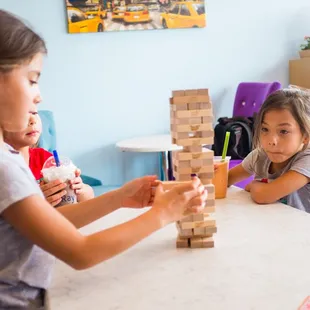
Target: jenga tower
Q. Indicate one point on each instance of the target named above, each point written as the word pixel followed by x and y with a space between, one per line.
pixel 191 127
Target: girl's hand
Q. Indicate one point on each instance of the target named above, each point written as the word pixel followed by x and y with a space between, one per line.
pixel 182 199
pixel 77 184
pixel 53 191
pixel 83 191
pixel 139 192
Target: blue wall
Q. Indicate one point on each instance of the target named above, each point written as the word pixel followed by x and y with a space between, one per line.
pixel 112 86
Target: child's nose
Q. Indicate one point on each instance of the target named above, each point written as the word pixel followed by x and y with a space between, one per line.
pixel 272 141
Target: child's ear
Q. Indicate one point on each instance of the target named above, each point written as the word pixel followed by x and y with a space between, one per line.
pixel 306 141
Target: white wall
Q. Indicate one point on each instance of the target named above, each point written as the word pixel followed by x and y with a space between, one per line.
pixel 107 87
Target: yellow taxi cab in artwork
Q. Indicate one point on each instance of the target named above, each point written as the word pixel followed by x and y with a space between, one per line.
pixel 184 14
pixel 96 11
pixel 118 13
pixel 136 13
pixel 78 21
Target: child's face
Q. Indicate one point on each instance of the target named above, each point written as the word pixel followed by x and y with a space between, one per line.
pixel 19 95
pixel 280 136
pixel 27 137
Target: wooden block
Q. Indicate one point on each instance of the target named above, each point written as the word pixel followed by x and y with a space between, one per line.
pixel 208 242
pixel 177 93
pixel 180 135
pixel 207 119
pixel 210 203
pixel 201 162
pixel 210 188
pixel 193 170
pixel 191 99
pixel 205 181
pixel 168 185
pixel 207 176
pixel 193 149
pixel 182 177
pixel 199 217
pixel 201 232
pixel 209 209
pixel 193 113
pixel 184 121
pixel 211 196
pixel 209 222
pixel 193 106
pixel 193 163
pixel 191 92
pixel 205 133
pixel 194 141
pixel 179 107
pixel 191 127
pixel 203 91
pixel 204 231
pixel 186 219
pixel 203 153
pixel 182 243
pixel 195 242
pixel 204 105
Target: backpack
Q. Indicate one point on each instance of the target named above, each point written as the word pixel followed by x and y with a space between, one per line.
pixel 241 136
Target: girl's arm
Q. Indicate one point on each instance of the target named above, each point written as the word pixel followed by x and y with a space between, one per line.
pixel 289 182
pixel 84 213
pixel 38 221
pixel 237 174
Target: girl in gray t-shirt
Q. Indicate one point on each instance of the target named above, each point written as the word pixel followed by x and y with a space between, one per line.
pixel 280 161
pixel 30 228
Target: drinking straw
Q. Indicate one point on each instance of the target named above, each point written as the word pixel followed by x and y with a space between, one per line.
pixel 224 153
pixel 57 161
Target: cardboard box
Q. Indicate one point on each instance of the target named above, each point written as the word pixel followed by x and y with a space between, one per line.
pixel 299 71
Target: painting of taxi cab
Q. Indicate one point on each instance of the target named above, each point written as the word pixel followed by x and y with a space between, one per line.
pixel 85 16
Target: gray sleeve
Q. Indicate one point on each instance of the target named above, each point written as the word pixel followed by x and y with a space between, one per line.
pixel 14 185
pixel 249 162
pixel 302 164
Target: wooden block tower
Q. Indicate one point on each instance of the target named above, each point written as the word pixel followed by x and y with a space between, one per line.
pixel 191 118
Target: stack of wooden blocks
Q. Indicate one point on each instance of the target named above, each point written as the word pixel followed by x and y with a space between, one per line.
pixel 191 127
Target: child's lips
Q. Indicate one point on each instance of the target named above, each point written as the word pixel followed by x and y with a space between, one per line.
pixel 32 133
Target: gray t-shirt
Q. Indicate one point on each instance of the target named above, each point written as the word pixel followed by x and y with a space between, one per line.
pixel 258 163
pixel 25 269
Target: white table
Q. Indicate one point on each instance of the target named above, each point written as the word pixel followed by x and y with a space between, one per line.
pixel 261 261
pixel 155 143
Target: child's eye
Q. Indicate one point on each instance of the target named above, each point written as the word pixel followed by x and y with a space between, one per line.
pixel 264 129
pixel 283 132
pixel 33 82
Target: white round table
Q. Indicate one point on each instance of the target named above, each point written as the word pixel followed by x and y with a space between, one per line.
pixel 154 143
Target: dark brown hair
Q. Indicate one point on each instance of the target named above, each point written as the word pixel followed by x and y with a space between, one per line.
pixel 295 100
pixel 18 42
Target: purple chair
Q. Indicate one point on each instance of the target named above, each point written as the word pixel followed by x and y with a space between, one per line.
pixel 249 98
